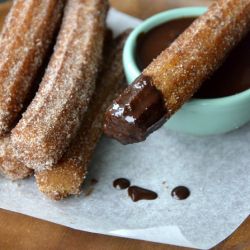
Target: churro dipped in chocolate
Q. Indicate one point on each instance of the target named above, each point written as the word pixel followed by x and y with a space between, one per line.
pixel 176 74
pixel 68 175
pixel 10 167
pixel 26 38
pixel 55 114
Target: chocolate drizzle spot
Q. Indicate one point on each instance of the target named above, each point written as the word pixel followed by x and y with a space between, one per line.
pixel 138 193
pixel 180 193
pixel 136 113
pixel 121 183
pixel 93 181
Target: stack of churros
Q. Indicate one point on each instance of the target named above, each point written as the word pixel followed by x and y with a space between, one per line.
pixel 52 129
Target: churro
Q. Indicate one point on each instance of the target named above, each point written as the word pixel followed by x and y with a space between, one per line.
pixel 176 74
pixel 27 36
pixel 55 114
pixel 68 175
pixel 10 167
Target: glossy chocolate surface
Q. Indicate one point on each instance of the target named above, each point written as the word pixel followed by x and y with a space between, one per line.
pixel 180 193
pixel 121 183
pixel 137 193
pixel 136 113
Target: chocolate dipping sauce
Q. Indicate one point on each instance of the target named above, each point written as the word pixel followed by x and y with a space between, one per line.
pixel 121 183
pixel 231 78
pixel 138 193
pixel 152 43
pixel 180 193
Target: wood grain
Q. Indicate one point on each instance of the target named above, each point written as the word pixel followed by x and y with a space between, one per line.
pixel 23 232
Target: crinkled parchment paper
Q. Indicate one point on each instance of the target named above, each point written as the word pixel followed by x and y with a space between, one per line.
pixel 215 168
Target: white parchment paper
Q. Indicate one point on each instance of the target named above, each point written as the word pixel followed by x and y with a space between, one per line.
pixel 215 168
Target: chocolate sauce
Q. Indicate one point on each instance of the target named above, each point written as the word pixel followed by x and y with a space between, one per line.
pixel 121 183
pixel 180 193
pixel 152 43
pixel 93 181
pixel 138 193
pixel 136 113
pixel 231 78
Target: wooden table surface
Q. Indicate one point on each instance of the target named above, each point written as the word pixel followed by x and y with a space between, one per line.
pixel 22 232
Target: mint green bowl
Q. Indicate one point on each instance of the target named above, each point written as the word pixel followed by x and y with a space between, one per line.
pixel 198 116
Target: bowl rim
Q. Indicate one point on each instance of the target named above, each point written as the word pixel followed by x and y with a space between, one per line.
pixel 130 64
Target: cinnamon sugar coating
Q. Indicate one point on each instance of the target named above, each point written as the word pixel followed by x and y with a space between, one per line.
pixel 10 167
pixel 180 70
pixel 67 176
pixel 55 114
pixel 27 36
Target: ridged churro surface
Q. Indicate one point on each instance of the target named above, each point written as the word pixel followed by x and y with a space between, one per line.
pixel 68 175
pixel 53 117
pixel 27 36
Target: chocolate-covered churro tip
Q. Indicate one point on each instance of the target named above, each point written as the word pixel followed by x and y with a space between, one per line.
pixel 136 113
